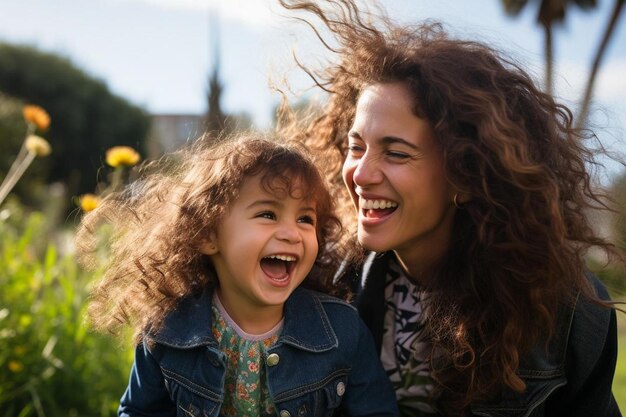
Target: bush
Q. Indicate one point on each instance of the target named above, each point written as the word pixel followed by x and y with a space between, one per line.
pixel 86 117
pixel 49 360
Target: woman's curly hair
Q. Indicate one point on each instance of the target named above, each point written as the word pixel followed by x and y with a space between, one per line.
pixel 518 243
pixel 157 224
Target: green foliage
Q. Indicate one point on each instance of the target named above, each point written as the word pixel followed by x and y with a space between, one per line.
pixel 86 118
pixel 618 192
pixel 50 362
pixel 612 275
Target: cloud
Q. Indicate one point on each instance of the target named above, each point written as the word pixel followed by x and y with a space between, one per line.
pixel 610 84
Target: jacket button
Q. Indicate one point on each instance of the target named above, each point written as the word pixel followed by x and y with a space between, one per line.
pixel 285 413
pixel 272 360
pixel 341 388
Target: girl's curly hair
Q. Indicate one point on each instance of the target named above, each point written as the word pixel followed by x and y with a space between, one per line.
pixel 157 224
pixel 518 244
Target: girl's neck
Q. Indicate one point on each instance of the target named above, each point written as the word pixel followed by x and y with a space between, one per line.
pixel 256 321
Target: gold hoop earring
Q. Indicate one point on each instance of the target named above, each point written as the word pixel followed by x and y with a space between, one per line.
pixel 455 200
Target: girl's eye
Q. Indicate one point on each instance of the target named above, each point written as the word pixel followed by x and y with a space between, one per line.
pixel 267 215
pixel 307 219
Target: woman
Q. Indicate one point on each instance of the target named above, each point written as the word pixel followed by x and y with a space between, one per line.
pixel 470 186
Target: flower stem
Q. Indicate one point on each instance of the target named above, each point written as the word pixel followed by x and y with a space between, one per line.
pixel 11 179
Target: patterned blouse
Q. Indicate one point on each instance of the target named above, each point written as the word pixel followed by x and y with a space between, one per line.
pixel 246 392
pixel 404 355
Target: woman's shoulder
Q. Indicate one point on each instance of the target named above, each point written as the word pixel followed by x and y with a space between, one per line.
pixel 582 330
pixel 591 322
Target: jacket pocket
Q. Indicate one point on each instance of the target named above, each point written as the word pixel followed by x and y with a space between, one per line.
pixel 320 399
pixel 191 399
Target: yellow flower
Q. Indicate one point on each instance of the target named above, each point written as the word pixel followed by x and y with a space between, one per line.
pixel 37 116
pixel 122 156
pixel 38 145
pixel 25 320
pixel 15 366
pixel 88 202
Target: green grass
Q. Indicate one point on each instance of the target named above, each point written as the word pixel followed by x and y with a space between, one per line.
pixel 619 382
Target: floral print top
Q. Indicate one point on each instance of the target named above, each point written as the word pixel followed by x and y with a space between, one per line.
pixel 245 385
pixel 404 354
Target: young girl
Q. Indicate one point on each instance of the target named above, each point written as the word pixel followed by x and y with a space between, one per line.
pixel 207 257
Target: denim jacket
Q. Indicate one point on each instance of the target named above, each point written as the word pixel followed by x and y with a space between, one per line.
pixel 323 360
pixel 573 377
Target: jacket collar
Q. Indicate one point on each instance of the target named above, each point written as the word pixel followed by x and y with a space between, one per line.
pixel 306 324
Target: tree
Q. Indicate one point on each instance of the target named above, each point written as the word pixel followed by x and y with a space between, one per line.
pixel 86 117
pixel 554 11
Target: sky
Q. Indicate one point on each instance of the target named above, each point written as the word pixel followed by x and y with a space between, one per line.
pixel 158 53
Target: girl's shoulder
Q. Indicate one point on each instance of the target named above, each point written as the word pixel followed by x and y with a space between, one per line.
pixel 326 301
pixel 334 311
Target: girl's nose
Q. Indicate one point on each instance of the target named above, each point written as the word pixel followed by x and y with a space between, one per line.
pixel 289 232
pixel 367 170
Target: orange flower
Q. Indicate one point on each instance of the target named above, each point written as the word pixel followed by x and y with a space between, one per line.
pixel 37 116
pixel 122 156
pixel 15 366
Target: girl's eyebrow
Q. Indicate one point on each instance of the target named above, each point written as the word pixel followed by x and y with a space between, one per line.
pixel 277 203
pixel 274 203
pixel 387 140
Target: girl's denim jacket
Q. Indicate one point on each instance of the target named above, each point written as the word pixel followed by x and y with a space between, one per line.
pixel 324 360
pixel 572 377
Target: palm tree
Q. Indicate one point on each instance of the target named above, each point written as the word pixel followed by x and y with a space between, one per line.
pixel 595 66
pixel 554 11
pixel 550 12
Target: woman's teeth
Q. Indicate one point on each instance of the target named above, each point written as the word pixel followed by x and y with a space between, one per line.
pixel 378 204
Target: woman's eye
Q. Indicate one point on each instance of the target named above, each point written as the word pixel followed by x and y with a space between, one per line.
pixel 267 215
pixel 354 148
pixel 307 219
pixel 398 155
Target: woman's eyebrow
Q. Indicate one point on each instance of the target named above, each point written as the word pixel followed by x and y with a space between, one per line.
pixel 387 140
pixel 390 140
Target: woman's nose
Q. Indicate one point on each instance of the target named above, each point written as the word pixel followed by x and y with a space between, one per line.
pixel 367 170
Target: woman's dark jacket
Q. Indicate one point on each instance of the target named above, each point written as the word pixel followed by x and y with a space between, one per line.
pixel 573 378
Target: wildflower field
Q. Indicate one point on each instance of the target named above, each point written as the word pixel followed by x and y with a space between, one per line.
pixel 52 365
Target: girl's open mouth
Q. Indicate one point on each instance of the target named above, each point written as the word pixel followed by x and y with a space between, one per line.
pixel 278 267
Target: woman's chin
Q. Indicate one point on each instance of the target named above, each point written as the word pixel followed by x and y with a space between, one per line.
pixel 372 243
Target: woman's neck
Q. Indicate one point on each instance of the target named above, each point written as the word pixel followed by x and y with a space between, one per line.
pixel 419 264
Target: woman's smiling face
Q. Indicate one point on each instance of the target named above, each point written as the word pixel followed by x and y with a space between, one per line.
pixel 395 174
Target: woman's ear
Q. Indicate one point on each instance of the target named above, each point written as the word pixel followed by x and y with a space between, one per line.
pixel 209 246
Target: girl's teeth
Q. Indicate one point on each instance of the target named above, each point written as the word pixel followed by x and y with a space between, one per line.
pixel 285 258
pixel 378 204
